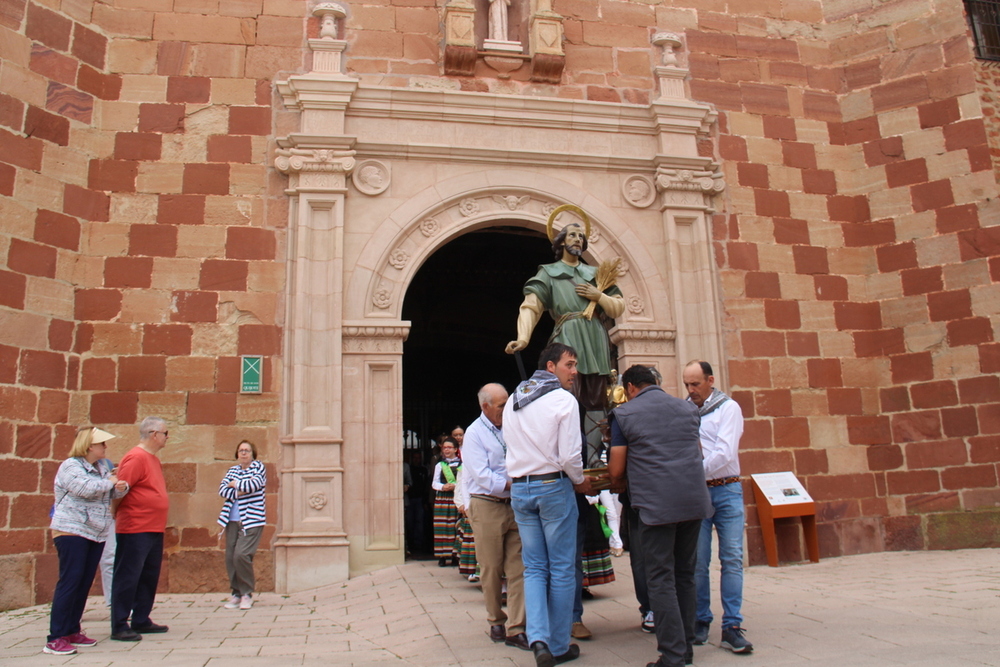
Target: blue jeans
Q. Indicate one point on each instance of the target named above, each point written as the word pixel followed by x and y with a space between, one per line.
pixel 728 522
pixel 546 519
pixel 78 559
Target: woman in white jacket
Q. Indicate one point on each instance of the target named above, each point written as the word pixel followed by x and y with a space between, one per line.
pixel 81 519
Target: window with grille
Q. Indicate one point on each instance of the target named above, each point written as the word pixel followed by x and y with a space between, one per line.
pixel 984 15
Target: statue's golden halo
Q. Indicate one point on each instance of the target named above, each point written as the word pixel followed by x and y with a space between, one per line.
pixel 567 207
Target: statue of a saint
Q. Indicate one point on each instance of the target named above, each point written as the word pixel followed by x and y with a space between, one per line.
pixel 565 288
pixel 498 20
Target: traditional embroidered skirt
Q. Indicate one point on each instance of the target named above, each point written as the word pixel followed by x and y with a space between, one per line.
pixel 445 517
pixel 597 567
pixel 466 547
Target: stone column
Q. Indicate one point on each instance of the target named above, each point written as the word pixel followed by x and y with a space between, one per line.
pixel 649 347
pixel 311 547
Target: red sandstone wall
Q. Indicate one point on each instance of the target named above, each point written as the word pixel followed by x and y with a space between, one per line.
pixel 860 265
pixel 138 246
pixel 988 83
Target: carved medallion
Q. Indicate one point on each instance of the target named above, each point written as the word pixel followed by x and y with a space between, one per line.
pixel 548 207
pixel 639 190
pixel 371 177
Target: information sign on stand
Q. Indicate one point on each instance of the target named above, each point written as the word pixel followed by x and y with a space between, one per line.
pixel 780 495
pixel 251 374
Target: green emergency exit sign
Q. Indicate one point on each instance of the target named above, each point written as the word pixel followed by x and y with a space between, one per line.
pixel 251 374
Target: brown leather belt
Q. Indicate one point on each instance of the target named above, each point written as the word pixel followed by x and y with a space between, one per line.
pixel 492 499
pixel 722 481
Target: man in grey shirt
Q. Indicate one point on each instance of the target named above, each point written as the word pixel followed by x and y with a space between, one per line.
pixel 655 437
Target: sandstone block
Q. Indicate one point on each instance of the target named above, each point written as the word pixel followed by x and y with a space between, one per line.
pixel 57 229
pixel 207 29
pixel 119 407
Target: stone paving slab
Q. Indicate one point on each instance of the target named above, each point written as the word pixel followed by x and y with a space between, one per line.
pixel 906 608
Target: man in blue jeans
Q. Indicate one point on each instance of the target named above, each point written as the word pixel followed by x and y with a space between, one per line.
pixel 720 431
pixel 542 431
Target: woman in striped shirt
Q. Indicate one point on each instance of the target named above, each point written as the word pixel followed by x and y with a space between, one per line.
pixel 242 519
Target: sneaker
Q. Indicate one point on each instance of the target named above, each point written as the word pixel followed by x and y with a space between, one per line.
pixel 732 638
pixel 234 602
pixel 700 632
pixel 59 647
pixel 647 622
pixel 473 578
pixel 80 639
pixel 246 602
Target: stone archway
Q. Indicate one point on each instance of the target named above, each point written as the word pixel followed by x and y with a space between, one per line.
pixel 380 178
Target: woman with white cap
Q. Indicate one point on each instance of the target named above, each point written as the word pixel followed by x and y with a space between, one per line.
pixel 81 518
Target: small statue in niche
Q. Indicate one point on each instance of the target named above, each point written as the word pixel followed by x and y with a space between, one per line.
pixel 498 20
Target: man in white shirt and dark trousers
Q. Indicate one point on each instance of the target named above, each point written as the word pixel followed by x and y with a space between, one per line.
pixel 720 432
pixel 498 544
pixel 542 431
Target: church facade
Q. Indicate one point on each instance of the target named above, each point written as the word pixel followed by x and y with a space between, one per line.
pixel 803 193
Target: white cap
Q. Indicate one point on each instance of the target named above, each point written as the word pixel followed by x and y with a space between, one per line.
pixel 98 436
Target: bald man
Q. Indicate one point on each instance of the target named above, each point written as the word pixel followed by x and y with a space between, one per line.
pixel 498 544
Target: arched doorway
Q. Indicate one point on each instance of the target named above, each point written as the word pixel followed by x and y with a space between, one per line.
pixel 462 307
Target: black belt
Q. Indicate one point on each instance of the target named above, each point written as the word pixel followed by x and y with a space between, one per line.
pixel 492 499
pixel 722 481
pixel 539 478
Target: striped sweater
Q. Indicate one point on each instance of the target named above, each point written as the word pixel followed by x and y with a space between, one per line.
pixel 250 483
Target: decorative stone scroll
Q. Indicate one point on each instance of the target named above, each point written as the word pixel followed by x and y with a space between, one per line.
pixel 686 188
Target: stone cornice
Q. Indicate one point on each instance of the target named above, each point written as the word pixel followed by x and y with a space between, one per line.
pixel 369 330
pixel 452 106
pixel 619 334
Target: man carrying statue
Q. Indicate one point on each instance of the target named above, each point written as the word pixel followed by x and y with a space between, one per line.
pixel 574 293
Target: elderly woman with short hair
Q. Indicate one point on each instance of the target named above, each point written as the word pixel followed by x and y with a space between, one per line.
pixel 242 520
pixel 81 519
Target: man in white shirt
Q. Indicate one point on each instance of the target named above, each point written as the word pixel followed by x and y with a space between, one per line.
pixel 498 545
pixel 542 431
pixel 720 432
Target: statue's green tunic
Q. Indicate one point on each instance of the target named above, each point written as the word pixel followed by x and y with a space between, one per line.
pixel 555 286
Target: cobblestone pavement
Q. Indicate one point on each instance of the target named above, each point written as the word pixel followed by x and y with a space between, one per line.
pixel 904 608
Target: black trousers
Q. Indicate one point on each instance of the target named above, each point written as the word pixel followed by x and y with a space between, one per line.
pixel 137 572
pixel 670 552
pixel 78 559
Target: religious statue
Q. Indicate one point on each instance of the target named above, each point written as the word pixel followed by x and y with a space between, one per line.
pixel 498 20
pixel 574 292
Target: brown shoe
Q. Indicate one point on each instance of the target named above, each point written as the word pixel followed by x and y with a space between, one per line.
pixel 520 640
pixel 580 631
pixel 498 633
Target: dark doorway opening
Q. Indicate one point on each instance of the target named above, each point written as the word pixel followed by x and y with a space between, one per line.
pixel 462 305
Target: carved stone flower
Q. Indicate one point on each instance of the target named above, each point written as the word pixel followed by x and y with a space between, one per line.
pixel 468 206
pixel 317 500
pixel 382 298
pixel 429 227
pixel 398 258
pixel 635 304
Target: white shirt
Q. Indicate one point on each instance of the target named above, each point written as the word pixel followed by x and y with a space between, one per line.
pixel 484 464
pixel 544 436
pixel 720 433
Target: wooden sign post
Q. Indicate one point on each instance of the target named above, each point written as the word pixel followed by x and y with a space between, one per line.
pixel 780 495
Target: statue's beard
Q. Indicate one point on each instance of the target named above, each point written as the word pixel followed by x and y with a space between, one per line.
pixel 576 251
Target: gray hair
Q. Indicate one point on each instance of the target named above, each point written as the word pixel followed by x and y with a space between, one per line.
pixel 149 425
pixel 488 391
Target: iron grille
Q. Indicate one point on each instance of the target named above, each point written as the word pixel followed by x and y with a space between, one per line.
pixel 984 15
